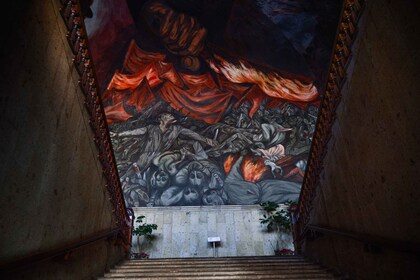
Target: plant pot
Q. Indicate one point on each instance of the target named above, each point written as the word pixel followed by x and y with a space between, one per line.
pixel 283 252
pixel 138 256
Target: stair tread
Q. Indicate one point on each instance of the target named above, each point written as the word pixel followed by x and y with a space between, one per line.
pixel 290 267
pixel 225 277
pixel 213 261
pixel 278 258
pixel 222 270
pixel 241 277
pixel 212 264
pixel 161 268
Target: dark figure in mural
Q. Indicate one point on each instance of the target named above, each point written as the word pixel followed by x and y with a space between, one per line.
pixel 135 194
pixel 160 138
pixel 232 84
pixel 240 191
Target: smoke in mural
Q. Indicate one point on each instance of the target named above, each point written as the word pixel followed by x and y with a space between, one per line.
pixel 211 102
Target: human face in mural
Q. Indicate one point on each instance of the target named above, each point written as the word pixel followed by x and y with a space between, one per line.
pixel 192 195
pixel 166 120
pixel 215 181
pixel 160 179
pixel 211 197
pixel 196 178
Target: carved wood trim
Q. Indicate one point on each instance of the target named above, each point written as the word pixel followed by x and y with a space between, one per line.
pixel 78 42
pixel 346 34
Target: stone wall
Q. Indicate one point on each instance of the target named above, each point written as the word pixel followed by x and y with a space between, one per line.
pixel 183 231
pixel 370 183
pixel 52 188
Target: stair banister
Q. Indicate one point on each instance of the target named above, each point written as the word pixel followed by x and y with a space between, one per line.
pixel 340 58
pixel 78 42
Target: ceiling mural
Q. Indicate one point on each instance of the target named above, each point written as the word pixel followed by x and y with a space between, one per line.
pixel 211 102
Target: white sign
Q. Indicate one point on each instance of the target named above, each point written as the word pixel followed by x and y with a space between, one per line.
pixel 213 239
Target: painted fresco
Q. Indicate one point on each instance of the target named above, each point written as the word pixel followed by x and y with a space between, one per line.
pixel 211 102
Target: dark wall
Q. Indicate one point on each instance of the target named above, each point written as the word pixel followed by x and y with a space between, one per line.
pixel 371 180
pixel 52 188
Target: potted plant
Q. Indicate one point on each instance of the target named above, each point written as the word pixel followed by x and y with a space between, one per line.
pixel 279 221
pixel 143 230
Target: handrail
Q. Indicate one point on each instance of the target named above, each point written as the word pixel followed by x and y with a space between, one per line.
pixel 345 37
pixel 60 251
pixel 78 42
pixel 372 240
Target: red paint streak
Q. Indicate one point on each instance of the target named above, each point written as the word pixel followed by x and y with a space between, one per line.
pixel 252 169
pixel 228 163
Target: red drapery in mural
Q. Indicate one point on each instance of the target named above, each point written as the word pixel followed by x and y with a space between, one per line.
pixel 207 106
pixel 146 76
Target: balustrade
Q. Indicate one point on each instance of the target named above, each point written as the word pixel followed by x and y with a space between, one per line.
pixel 336 77
pixel 77 39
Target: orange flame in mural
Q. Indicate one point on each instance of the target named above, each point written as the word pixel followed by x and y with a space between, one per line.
pixel 252 170
pixel 227 165
pixel 272 84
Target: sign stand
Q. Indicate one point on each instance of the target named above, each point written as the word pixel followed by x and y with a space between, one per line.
pixel 213 240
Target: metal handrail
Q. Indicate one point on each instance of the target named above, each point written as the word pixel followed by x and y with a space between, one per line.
pixel 370 240
pixel 57 252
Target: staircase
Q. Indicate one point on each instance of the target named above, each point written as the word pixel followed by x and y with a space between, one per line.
pixel 285 267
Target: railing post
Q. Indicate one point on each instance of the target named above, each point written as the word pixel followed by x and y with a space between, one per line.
pixel 293 212
pixel 131 216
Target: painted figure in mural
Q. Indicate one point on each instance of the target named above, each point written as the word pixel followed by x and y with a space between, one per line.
pixel 181 34
pixel 241 191
pixel 135 194
pixel 198 182
pixel 279 35
pixel 160 138
pixel 197 36
pixel 298 171
pixel 258 140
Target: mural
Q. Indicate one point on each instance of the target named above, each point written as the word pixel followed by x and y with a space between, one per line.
pixel 211 102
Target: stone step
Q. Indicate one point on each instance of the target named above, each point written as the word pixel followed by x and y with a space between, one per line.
pixel 229 277
pixel 186 264
pixel 224 259
pixel 215 273
pixel 210 260
pixel 244 268
pixel 226 267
